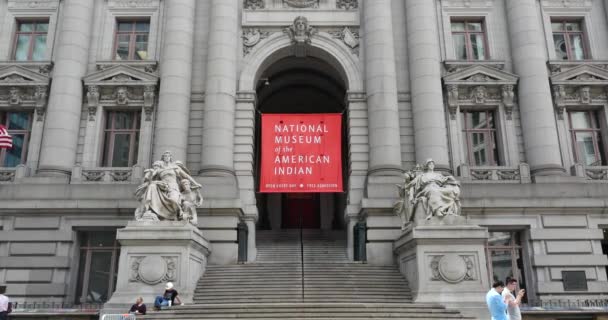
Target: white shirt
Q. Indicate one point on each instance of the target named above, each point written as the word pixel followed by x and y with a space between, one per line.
pixel 512 311
pixel 3 303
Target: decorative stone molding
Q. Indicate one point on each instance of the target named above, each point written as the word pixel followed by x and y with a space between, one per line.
pixel 581 85
pixel 567 3
pixel 467 3
pixel 246 96
pixel 153 269
pixel 356 96
pixel 452 268
pixel 347 4
pixel 489 174
pixel 136 4
pixel 480 86
pixel 300 33
pixel 349 37
pixel 591 173
pixel 33 4
pixel 253 4
pixel 106 175
pixel 301 4
pixel 121 85
pixel 251 37
pixel 24 88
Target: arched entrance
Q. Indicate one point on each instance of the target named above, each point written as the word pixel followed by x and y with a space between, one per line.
pixel 306 85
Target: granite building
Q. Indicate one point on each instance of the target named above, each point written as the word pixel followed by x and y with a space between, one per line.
pixel 509 96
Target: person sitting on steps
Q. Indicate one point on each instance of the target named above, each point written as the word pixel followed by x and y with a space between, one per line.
pixel 168 298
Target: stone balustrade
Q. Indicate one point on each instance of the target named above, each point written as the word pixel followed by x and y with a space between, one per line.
pixel 495 174
pixel 591 173
pixel 107 175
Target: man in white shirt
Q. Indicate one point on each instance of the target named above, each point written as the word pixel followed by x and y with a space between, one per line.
pixel 512 301
pixel 3 304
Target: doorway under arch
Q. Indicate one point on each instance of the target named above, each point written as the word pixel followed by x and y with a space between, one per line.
pixel 301 86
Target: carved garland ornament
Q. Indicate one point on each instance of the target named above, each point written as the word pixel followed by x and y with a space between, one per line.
pixel 347 4
pixel 153 270
pixel 349 37
pixel 253 4
pixel 251 37
pixel 301 3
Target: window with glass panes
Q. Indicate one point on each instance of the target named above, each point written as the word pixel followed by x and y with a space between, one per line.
pixel 121 138
pixel 504 256
pixel 99 253
pixel 479 133
pixel 469 38
pixel 586 135
pixel 569 40
pixel 131 39
pixel 19 126
pixel 30 40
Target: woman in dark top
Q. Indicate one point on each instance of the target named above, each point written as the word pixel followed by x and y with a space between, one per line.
pixel 168 298
pixel 139 307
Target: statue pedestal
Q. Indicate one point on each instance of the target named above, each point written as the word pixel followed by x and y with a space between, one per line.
pixel 154 253
pixel 444 262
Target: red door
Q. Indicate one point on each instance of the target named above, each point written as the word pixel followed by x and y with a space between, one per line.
pixel 304 205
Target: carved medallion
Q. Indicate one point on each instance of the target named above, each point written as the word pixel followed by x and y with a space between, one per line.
pixel 301 3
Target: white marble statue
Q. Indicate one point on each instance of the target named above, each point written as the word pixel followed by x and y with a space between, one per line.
pixel 428 191
pixel 168 192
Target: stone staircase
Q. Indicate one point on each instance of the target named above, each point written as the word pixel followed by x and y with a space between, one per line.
pixel 308 279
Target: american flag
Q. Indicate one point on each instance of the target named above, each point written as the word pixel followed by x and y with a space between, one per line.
pixel 6 141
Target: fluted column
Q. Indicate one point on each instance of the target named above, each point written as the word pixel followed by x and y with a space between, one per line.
pixel 381 89
pixel 218 124
pixel 430 132
pixel 171 131
pixel 536 107
pixel 62 121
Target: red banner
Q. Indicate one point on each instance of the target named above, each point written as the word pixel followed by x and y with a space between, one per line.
pixel 301 153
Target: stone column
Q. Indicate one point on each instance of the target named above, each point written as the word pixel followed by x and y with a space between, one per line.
pixel 171 131
pixel 62 120
pixel 535 104
pixel 381 87
pixel 218 124
pixel 430 132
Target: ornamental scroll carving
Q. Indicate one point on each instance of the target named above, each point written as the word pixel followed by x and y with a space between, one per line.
pixel 578 86
pixel 349 37
pixel 24 89
pixel 153 270
pixel 251 37
pixel 347 4
pixel 253 4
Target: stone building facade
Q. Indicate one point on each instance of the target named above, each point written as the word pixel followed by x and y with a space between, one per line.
pixel 510 96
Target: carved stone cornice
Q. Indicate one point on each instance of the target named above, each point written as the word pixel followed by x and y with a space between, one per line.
pixel 21 87
pixel 121 85
pixel 567 4
pixel 133 4
pixel 32 5
pixel 579 85
pixel 479 86
pixel 467 3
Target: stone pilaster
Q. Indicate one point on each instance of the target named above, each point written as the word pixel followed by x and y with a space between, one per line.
pixel 171 132
pixel 62 121
pixel 537 115
pixel 430 132
pixel 218 124
pixel 381 89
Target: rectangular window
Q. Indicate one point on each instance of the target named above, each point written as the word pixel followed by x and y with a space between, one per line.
pixel 19 126
pixel 131 40
pixel 586 136
pixel 605 245
pixel 469 39
pixel 569 40
pixel 504 254
pixel 30 40
pixel 121 138
pixel 479 133
pixel 99 252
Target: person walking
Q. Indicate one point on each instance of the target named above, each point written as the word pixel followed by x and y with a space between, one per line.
pixel 496 303
pixel 512 301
